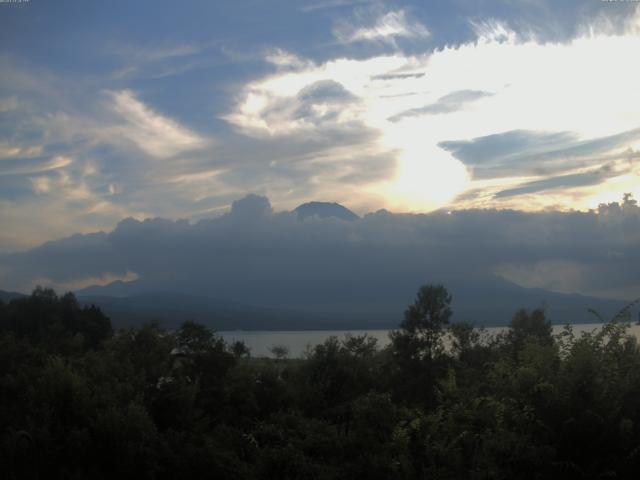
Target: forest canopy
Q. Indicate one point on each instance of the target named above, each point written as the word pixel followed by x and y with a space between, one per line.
pixel 80 400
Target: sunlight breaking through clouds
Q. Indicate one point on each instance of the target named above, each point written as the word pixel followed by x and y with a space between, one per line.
pixel 588 86
pixel 408 107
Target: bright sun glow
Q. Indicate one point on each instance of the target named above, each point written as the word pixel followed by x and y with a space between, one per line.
pixel 487 87
pixel 426 180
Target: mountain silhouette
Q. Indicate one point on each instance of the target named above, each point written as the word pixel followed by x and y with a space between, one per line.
pixel 480 299
pixel 325 210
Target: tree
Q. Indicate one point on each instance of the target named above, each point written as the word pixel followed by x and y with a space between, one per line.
pixel 532 326
pixel 205 362
pixel 279 351
pixel 239 349
pixel 418 348
pixel 421 331
pixel 53 321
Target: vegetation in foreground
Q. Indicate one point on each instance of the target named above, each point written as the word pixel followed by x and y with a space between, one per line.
pixel 78 400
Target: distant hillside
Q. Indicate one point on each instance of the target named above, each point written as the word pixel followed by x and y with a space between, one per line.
pixel 8 296
pixel 490 303
pixel 171 309
pixel 488 300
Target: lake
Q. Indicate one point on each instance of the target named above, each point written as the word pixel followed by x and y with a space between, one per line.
pixel 297 341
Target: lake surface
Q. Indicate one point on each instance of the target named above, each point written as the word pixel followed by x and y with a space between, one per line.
pixel 298 341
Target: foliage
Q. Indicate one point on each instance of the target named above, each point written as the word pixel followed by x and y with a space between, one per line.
pixel 442 401
pixel 418 349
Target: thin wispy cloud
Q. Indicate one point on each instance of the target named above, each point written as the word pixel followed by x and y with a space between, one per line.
pixel 8 103
pixel 33 165
pixel 155 53
pixel 492 30
pixel 329 4
pixel 155 134
pixel 449 103
pixel 386 27
pixel 155 61
pixel 19 151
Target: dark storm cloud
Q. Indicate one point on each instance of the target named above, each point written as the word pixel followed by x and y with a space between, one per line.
pixel 255 255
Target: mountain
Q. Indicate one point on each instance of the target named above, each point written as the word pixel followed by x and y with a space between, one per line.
pixel 494 300
pixel 117 289
pixel 325 210
pixel 171 309
pixel 8 296
pixel 488 300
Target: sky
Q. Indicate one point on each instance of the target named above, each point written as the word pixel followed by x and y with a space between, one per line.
pixel 175 110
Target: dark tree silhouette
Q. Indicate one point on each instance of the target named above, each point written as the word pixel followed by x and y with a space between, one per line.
pixel 77 401
pixel 418 347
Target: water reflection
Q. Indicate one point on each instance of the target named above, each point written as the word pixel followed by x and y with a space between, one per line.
pixel 298 341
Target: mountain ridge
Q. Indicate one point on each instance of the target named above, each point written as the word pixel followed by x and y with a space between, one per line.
pixel 324 210
pixel 492 303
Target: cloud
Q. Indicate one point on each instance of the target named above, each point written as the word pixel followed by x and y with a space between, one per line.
pixel 449 103
pixel 8 103
pixel 19 151
pixel 152 132
pixel 286 60
pixel 251 207
pixel 493 31
pixel 155 62
pixel 79 158
pixel 41 184
pixel 520 152
pixel 24 166
pixel 446 112
pixel 327 4
pixel 253 254
pixel 384 28
pixel 588 178
pixel 303 122
pixel 320 104
pixel 156 53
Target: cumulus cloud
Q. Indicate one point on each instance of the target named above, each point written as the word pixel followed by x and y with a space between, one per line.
pixel 255 255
